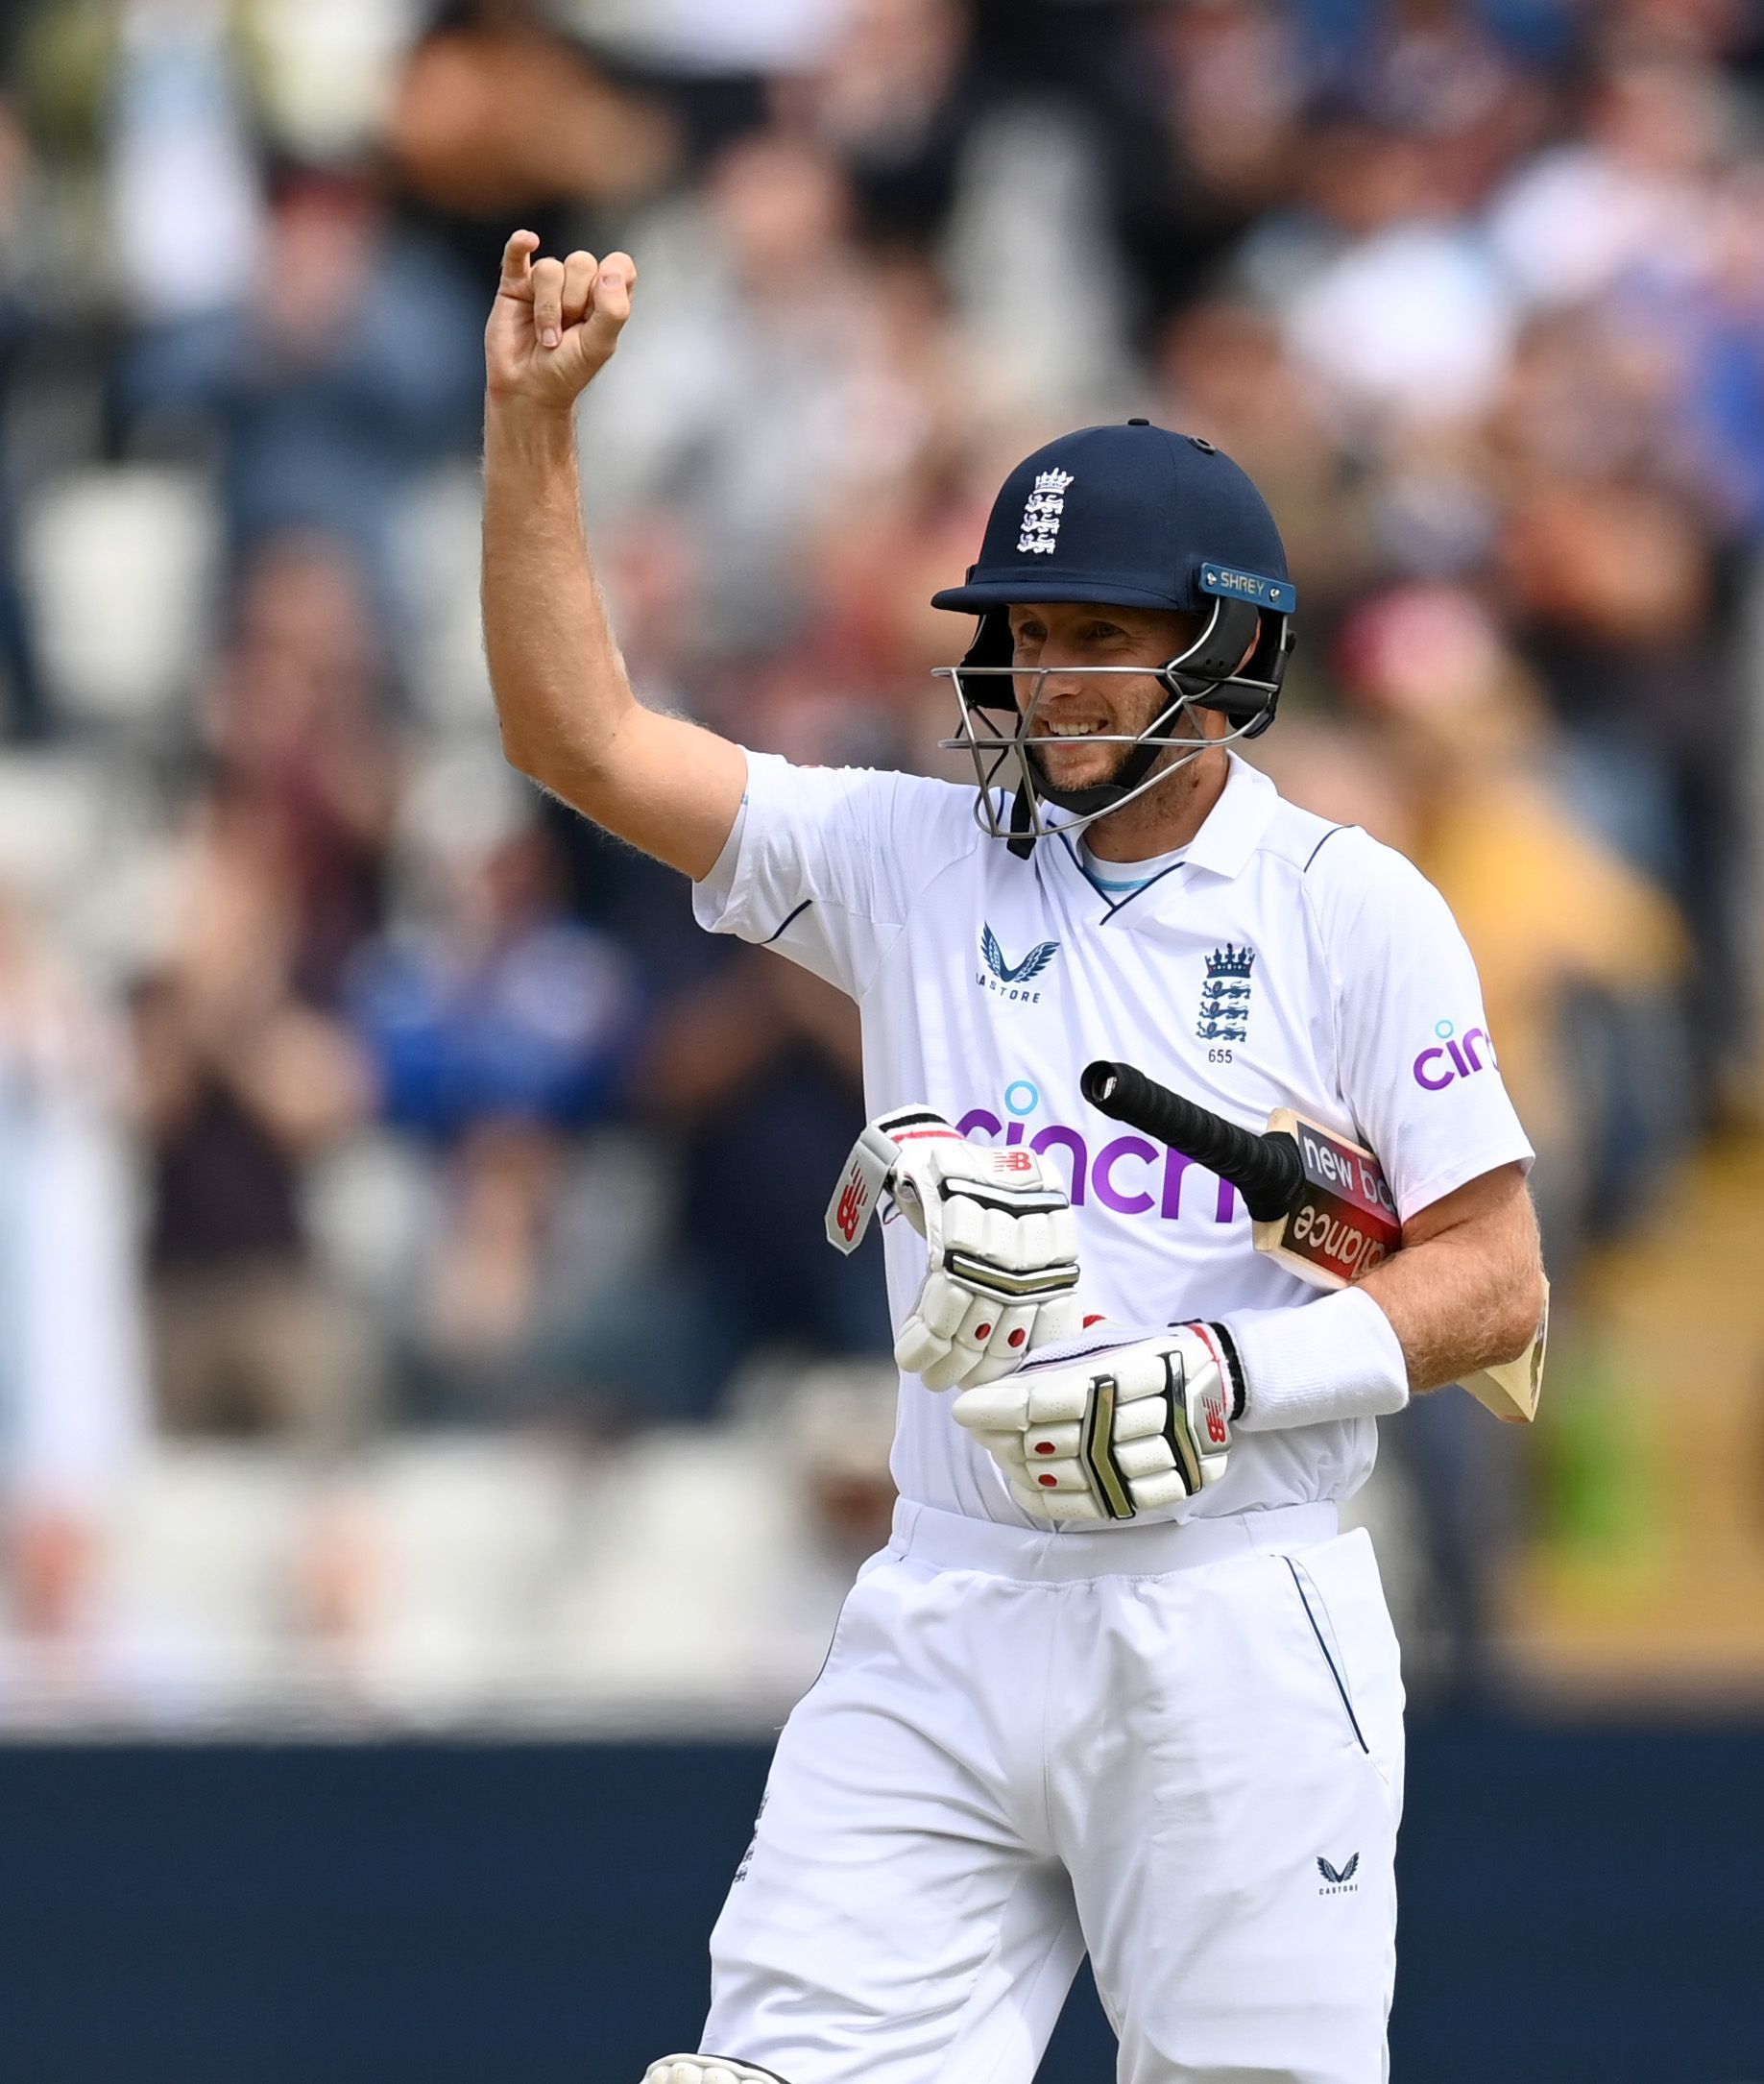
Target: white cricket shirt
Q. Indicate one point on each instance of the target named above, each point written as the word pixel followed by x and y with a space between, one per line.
pixel 1281 962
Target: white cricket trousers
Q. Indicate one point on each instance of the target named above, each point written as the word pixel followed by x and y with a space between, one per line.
pixel 1177 1747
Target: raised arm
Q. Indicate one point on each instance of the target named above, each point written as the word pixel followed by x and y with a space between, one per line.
pixel 567 712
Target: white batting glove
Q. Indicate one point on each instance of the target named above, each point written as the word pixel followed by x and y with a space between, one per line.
pixel 706 2070
pixel 1001 1243
pixel 1109 1425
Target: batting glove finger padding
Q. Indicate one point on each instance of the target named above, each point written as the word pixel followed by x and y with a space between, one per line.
pixel 1001 1239
pixel 1110 1425
pixel 707 2069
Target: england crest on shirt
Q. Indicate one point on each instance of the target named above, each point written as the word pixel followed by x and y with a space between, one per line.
pixel 1224 996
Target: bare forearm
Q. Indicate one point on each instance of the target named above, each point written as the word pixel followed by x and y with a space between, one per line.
pixel 1465 1298
pixel 559 683
pixel 567 709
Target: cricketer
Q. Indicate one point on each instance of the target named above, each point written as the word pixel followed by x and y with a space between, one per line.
pixel 1119 1684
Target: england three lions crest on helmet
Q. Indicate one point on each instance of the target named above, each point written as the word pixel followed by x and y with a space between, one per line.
pixel 1039 529
pixel 1224 996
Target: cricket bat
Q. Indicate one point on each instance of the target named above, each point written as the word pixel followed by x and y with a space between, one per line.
pixel 1318 1203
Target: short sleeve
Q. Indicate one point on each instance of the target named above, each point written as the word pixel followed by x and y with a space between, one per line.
pixel 824 864
pixel 1417 1063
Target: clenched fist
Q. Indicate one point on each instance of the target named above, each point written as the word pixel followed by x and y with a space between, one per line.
pixel 555 323
pixel 1003 1259
pixel 1111 1423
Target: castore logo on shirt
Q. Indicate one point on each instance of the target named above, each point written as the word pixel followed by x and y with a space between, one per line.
pixel 1010 980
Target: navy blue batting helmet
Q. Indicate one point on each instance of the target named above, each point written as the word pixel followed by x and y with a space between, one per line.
pixel 1129 516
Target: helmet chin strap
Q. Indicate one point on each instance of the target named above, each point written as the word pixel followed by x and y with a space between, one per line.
pixel 1100 797
pixel 1234 667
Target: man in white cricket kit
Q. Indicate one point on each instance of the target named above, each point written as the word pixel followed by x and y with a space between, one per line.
pixel 1118 1684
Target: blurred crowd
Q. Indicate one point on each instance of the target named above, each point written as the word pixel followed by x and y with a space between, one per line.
pixel 357 1100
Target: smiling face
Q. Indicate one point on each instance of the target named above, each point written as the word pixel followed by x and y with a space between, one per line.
pixel 1057 636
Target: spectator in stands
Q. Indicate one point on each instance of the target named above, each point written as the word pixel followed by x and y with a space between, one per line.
pixel 893 97
pixel 1225 372
pixel 1716 335
pixel 1625 188
pixel 1618 593
pixel 1467 740
pixel 1476 291
pixel 501 117
pixel 761 361
pixel 22 710
pixel 348 365
pixel 295 721
pixel 1580 959
pixel 73 1387
pixel 499 1034
pixel 756 1072
pixel 1402 314
pixel 240 1087
pixel 168 95
pixel 1222 90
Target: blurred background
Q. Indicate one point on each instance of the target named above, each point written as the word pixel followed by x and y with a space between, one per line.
pixel 421 1496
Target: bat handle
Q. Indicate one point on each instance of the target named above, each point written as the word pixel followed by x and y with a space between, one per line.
pixel 1265 1169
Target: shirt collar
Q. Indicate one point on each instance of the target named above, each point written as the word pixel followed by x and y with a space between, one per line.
pixel 1115 879
pixel 1234 826
pixel 1222 846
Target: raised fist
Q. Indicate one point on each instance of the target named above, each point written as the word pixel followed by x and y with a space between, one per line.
pixel 555 323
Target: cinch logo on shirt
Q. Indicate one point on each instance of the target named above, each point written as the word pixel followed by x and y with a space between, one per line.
pixel 1130 1174
pixel 1009 979
pixel 1435 1068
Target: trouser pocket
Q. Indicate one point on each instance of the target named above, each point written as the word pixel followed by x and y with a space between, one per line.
pixel 1322 1631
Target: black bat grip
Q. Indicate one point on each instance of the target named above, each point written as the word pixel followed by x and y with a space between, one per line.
pixel 1265 1169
